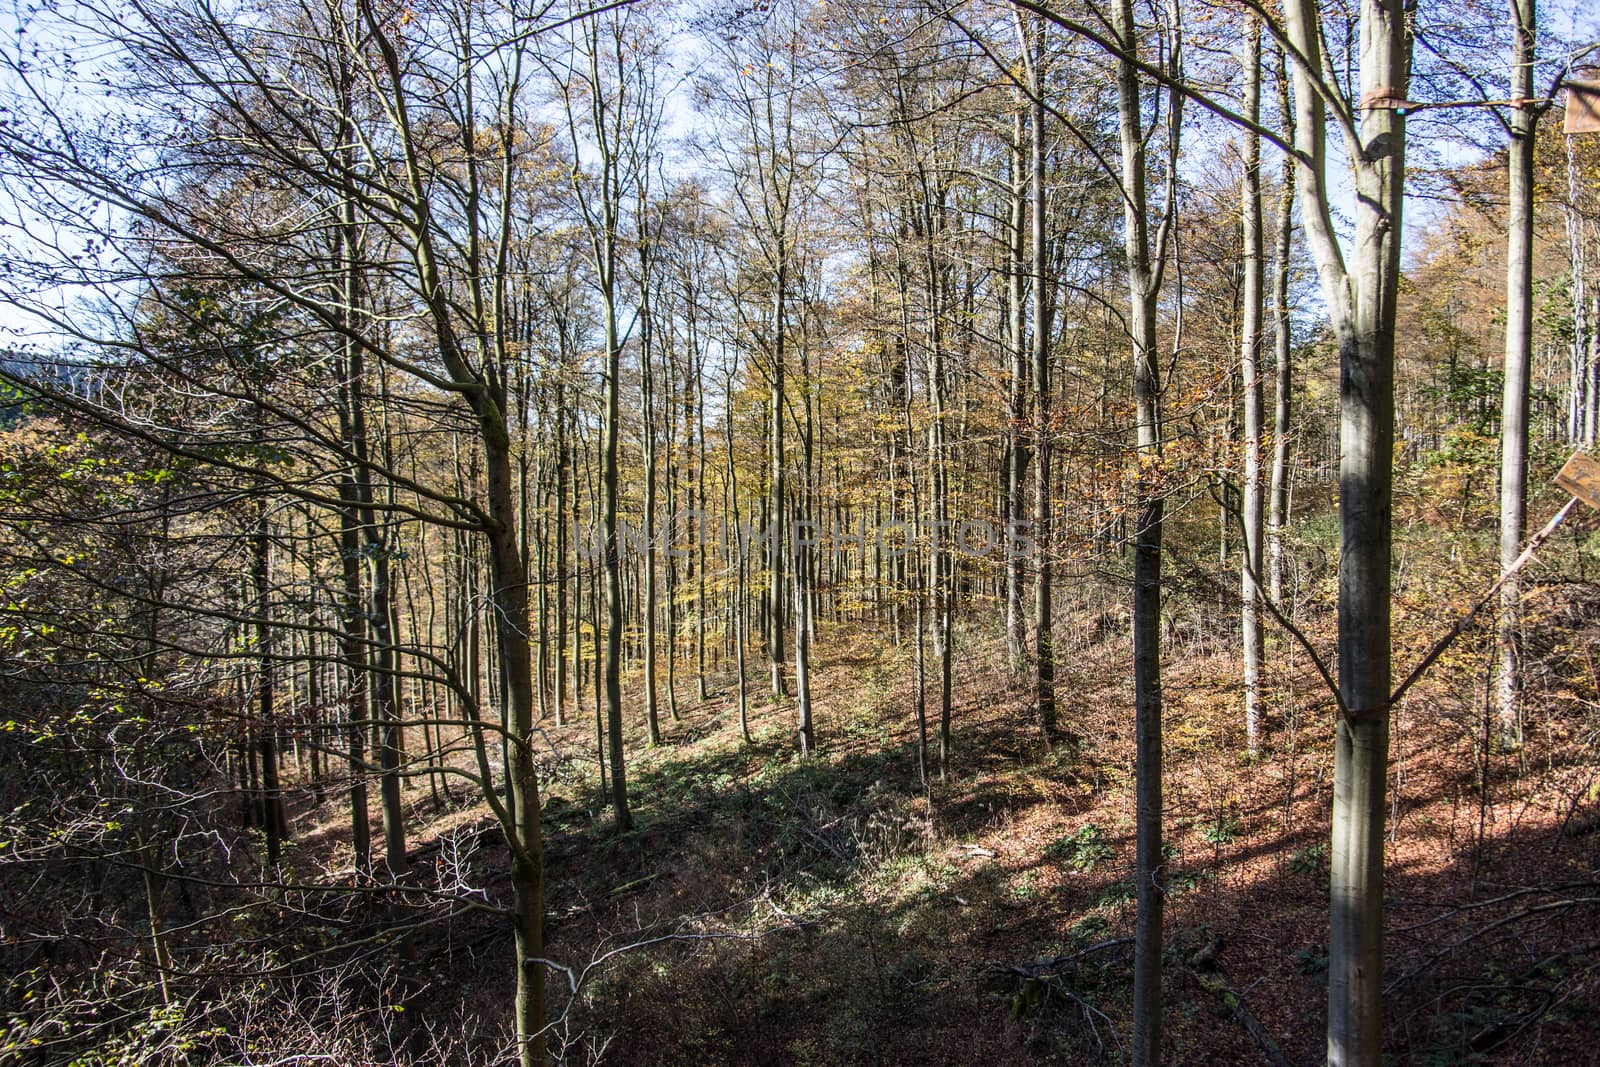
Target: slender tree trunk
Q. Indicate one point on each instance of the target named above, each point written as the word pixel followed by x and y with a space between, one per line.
pixel 1043 594
pixel 802 657
pixel 385 683
pixel 1361 303
pixel 562 520
pixel 357 682
pixel 613 565
pixel 153 882
pixel 272 813
pixel 1278 495
pixel 1250 367
pixel 652 711
pixel 1017 452
pixel 940 568
pixel 777 539
pixel 1519 357
pixel 509 597
pixel 702 608
pixel 1577 245
pixel 737 549
pixel 1144 266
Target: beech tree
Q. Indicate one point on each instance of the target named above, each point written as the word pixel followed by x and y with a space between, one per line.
pixel 1360 291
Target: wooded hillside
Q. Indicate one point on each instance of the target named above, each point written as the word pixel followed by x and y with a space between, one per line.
pixel 817 533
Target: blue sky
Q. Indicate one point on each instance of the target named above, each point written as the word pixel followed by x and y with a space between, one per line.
pixel 1438 137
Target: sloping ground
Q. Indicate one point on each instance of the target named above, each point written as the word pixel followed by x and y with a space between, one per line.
pixel 834 912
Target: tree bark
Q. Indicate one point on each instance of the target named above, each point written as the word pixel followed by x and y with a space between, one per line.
pixel 1278 495
pixel 1250 368
pixel 1144 266
pixel 1043 594
pixel 1017 452
pixel 1519 357
pixel 1361 302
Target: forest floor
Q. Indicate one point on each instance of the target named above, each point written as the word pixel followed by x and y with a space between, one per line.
pixel 832 911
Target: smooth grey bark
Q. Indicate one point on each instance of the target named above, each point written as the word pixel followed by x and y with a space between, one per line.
pixel 273 820
pixel 778 480
pixel 352 434
pixel 670 534
pixel 562 518
pixel 803 559
pixel 941 572
pixel 1282 336
pixel 1521 125
pixel 1580 426
pixel 603 129
pixel 737 549
pixel 1145 257
pixel 647 431
pixel 1250 338
pixel 1577 251
pixel 1361 301
pixel 1043 593
pixel 697 373
pixel 384 687
pixel 802 658
pixel 931 222
pixel 353 641
pixel 1017 454
pixel 613 568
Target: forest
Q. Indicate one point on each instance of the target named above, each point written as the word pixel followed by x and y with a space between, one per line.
pixel 816 532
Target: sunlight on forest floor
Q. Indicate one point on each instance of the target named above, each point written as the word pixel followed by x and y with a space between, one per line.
pixel 832 910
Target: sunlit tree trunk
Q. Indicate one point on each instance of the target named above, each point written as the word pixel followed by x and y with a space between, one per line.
pixel 1282 338
pixel 1145 259
pixel 1044 689
pixel 1017 453
pixel 1361 302
pixel 1250 368
pixel 1519 357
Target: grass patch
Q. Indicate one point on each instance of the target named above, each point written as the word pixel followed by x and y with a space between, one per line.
pixel 1083 850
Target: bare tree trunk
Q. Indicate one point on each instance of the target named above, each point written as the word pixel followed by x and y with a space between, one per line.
pixel 272 814
pixel 1278 495
pixel 1017 453
pixel 802 655
pixel 1519 356
pixel 701 607
pixel 1577 245
pixel 613 566
pixel 737 549
pixel 1361 304
pixel 1043 594
pixel 563 518
pixel 776 539
pixel 1145 267
pixel 1250 367
pixel 647 431
pixel 385 681
pixel 670 534
pixel 354 609
pixel 160 954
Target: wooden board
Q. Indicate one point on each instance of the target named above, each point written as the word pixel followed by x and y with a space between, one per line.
pixel 1583 106
pixel 1581 477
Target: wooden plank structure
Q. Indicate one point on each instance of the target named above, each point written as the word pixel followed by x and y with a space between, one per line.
pixel 1583 112
pixel 1580 476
